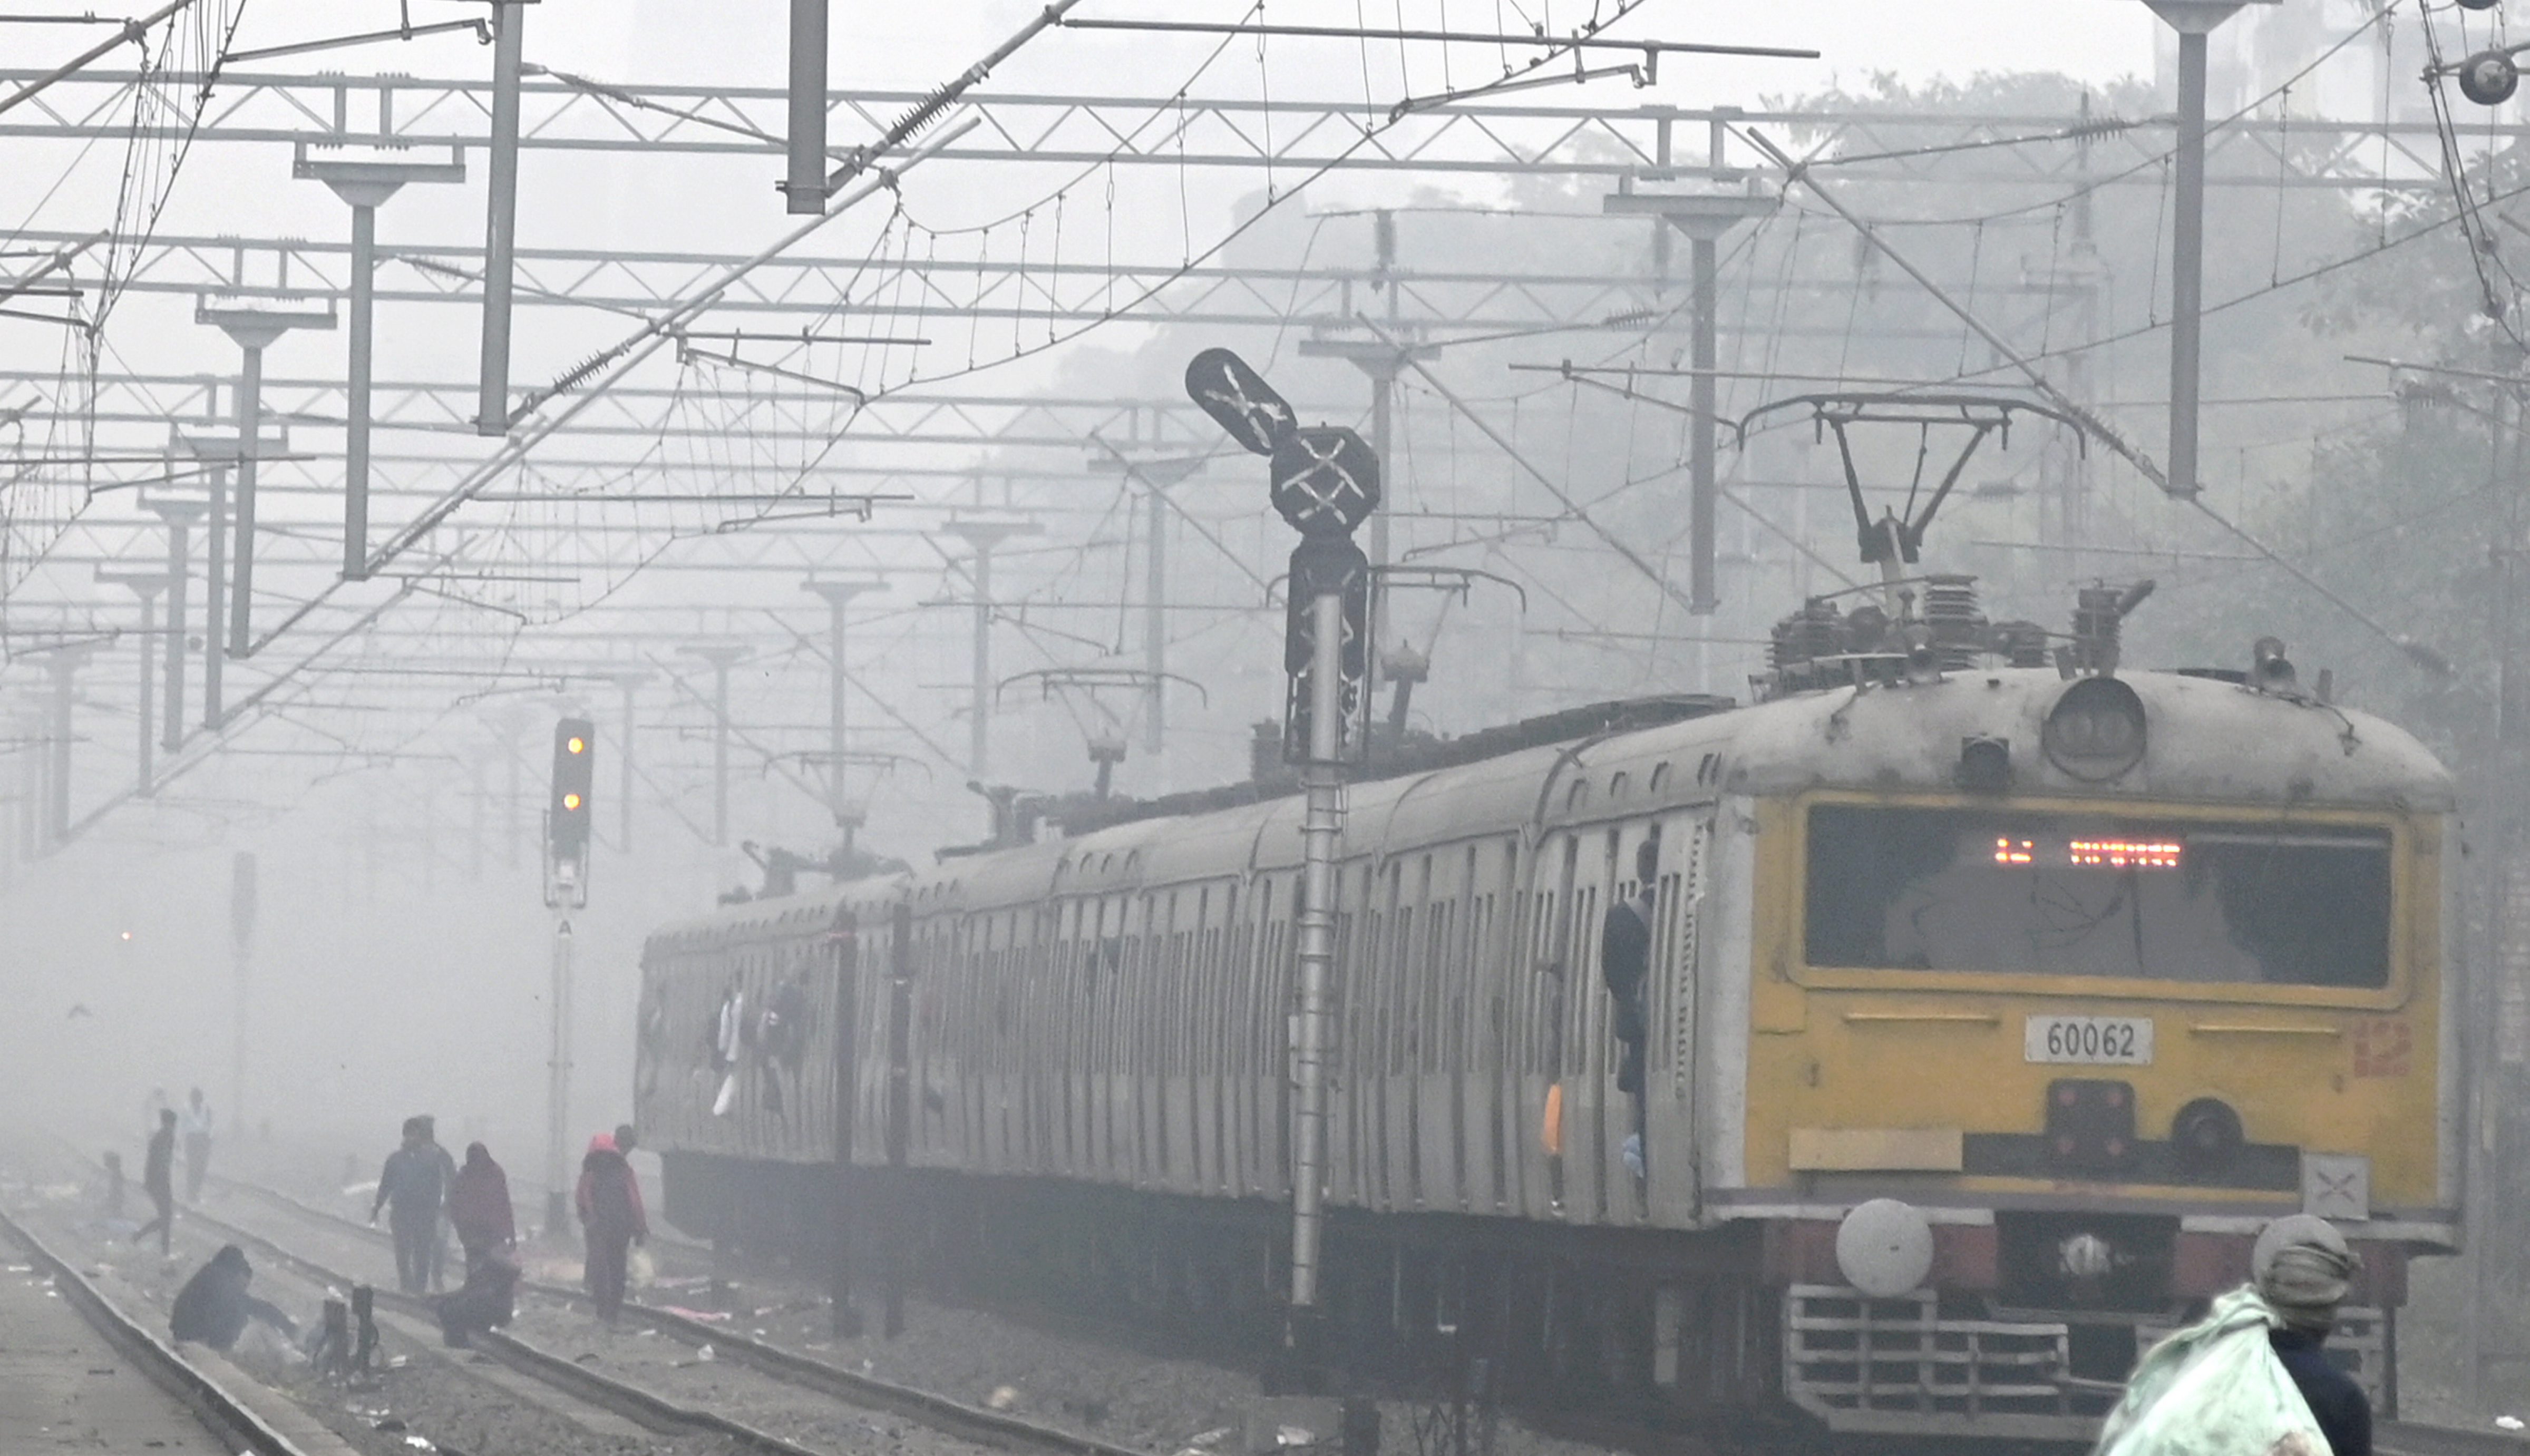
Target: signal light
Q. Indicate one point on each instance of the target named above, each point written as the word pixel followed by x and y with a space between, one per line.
pixel 567 823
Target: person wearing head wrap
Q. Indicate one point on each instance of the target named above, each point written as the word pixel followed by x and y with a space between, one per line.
pixel 478 1206
pixel 612 1218
pixel 2304 1270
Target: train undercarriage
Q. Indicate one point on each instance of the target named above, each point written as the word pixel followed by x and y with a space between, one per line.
pixel 1743 1326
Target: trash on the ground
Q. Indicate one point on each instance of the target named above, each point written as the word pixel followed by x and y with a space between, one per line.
pixel 706 1353
pixel 1002 1398
pixel 2507 1423
pixel 1212 1438
pixel 708 1317
pixel 1294 1436
pixel 398 1362
pixel 419 1443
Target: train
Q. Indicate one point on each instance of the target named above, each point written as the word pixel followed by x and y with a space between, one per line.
pixel 1997 995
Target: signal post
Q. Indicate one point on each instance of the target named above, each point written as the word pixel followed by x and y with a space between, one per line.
pixel 1324 482
pixel 567 840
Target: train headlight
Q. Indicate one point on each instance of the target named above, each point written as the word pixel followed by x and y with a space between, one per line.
pixel 1885 1248
pixel 2206 1135
pixel 2095 729
pixel 2086 1256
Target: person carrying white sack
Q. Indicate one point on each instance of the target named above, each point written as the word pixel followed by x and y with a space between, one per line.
pixel 2251 1379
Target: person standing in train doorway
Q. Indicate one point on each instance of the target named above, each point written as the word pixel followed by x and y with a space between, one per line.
pixel 1624 966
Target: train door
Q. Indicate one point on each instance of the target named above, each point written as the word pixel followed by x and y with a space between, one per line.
pixel 1213 1027
pixel 1675 995
pixel 1541 998
pixel 1382 969
pixel 1428 1032
pixel 1624 1197
pixel 1490 1089
pixel 1591 1139
pixel 1455 990
pixel 1070 1020
pixel 1180 981
pixel 1274 1080
pixel 1108 1057
pixel 1345 1061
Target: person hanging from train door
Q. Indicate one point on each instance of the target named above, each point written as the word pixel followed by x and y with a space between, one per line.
pixel 1624 966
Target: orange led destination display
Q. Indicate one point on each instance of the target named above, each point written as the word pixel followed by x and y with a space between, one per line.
pixel 2103 854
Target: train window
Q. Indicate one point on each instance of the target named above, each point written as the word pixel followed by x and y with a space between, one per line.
pixel 1660 777
pixel 1578 796
pixel 2074 895
pixel 1620 783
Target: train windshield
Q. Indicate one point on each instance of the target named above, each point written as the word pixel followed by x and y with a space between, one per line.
pixel 2065 894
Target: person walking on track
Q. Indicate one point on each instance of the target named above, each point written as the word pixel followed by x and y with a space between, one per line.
pixel 409 1189
pixel 612 1220
pixel 159 1180
pixel 198 1144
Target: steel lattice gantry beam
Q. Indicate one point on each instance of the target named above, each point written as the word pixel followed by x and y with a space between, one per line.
pixel 562 113
pixel 1439 300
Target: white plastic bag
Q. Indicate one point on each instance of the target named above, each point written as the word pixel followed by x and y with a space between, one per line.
pixel 728 1095
pixel 2215 1388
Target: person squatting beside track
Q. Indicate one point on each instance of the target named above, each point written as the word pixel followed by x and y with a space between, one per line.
pixel 411 1188
pixel 213 1307
pixel 612 1219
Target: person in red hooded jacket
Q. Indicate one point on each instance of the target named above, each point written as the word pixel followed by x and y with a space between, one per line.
pixel 611 1221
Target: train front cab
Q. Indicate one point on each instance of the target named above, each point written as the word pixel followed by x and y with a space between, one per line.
pixel 2095 1046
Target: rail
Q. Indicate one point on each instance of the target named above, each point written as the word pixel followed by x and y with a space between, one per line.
pixel 2413 1438
pixel 630 1401
pixel 155 1359
pixel 938 1412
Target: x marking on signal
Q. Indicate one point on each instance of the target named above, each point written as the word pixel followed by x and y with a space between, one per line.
pixel 1324 465
pixel 1267 419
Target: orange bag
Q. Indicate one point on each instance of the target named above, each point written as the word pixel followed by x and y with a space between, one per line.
pixel 1550 1131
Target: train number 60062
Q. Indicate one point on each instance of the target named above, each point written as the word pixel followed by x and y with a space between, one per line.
pixel 2100 1041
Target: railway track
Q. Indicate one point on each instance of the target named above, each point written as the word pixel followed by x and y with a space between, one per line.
pixel 220 1410
pixel 791 1368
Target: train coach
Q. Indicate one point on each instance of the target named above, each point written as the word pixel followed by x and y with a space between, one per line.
pixel 1990 1010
